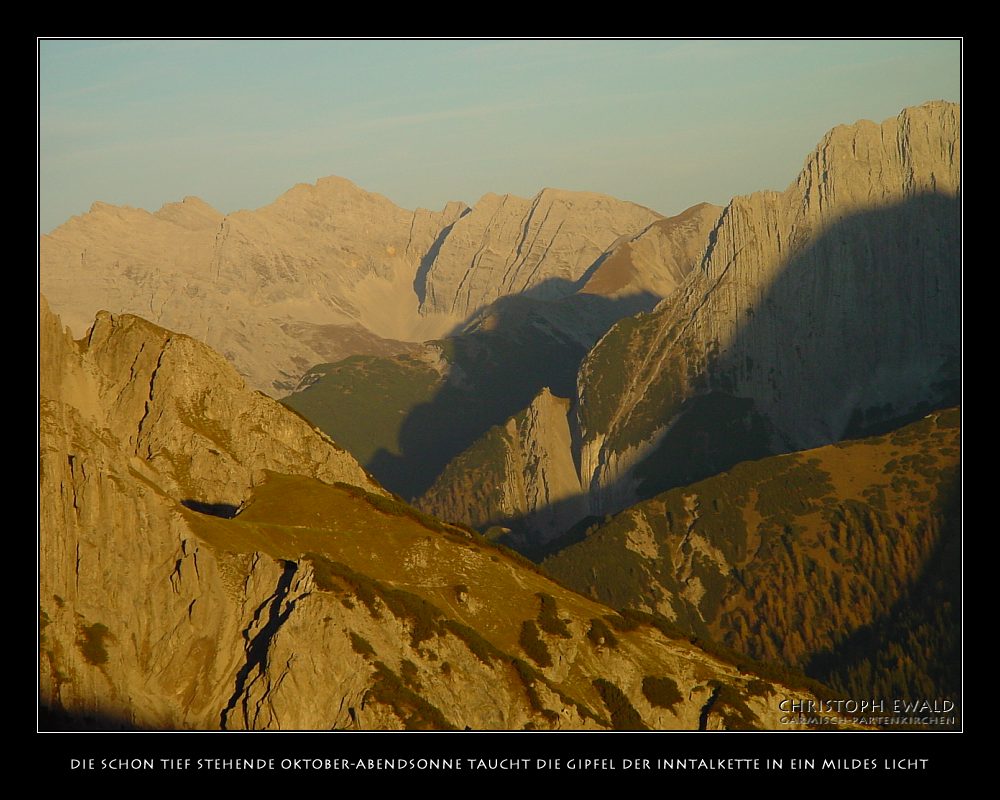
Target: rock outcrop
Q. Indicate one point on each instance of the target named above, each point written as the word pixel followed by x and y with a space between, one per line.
pixel 658 260
pixel 176 407
pixel 208 560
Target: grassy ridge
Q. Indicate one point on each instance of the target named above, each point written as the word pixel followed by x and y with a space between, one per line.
pixel 443 583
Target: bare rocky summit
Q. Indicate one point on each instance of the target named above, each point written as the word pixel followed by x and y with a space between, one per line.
pixel 815 313
pixel 657 260
pixel 251 284
pixel 176 407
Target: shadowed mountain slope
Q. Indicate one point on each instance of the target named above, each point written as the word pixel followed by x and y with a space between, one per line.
pixel 815 312
pixel 837 560
pixel 830 310
pixel 406 416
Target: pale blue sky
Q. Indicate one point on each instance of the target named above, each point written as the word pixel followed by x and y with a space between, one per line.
pixel 663 123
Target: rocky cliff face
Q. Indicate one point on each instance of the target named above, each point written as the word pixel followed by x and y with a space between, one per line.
pixel 815 313
pixel 657 260
pixel 829 310
pixel 510 474
pixel 178 408
pixel 297 603
pixel 509 245
pixel 326 271
pixel 261 287
pixel 520 471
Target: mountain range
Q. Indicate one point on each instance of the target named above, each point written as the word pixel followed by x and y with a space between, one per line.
pixel 329 270
pixel 826 311
pixel 729 439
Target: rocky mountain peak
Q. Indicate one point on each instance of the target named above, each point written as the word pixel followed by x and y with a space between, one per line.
pixel 192 213
pixel 656 260
pixel 849 278
pixel 181 409
pixel 324 268
pixel 857 265
pixel 509 245
pixel 860 165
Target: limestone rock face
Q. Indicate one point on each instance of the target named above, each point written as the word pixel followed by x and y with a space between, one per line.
pixel 509 245
pixel 522 473
pixel 316 606
pixel 657 260
pixel 178 408
pixel 326 271
pixel 802 317
pixel 815 312
pixel 327 254
pixel 522 470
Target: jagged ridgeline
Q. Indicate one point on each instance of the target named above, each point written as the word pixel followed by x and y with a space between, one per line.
pixel 209 560
pixel 825 311
pixel 329 270
pixel 828 311
pixel 779 432
pixel 844 561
